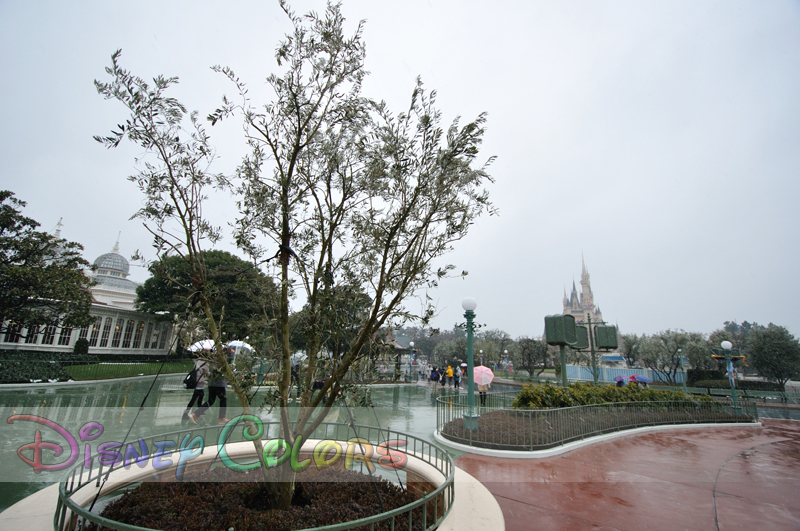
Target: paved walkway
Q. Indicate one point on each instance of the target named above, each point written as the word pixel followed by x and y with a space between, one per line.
pixel 739 478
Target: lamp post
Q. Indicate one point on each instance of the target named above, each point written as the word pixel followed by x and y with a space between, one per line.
pixel 410 358
pixel 471 418
pixel 727 346
pixel 683 369
pixel 481 357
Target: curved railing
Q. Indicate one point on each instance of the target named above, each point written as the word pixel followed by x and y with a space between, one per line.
pixel 433 505
pixel 504 428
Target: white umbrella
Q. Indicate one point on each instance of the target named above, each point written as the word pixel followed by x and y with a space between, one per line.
pixel 206 344
pixel 239 346
pixel 297 358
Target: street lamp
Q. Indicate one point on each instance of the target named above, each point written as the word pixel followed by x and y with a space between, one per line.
pixel 481 357
pixel 727 346
pixel 471 418
pixel 683 369
pixel 410 358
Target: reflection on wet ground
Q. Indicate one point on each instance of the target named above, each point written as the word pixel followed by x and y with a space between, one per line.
pixel 696 479
pixel 116 406
pixel 739 478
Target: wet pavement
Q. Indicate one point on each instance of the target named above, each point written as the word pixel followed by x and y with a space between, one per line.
pixel 727 478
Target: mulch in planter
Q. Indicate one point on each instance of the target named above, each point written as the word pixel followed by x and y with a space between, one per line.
pixel 224 499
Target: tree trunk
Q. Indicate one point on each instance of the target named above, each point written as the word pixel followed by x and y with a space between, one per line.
pixel 240 394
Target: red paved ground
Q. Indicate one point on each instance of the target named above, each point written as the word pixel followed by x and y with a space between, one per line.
pixel 667 480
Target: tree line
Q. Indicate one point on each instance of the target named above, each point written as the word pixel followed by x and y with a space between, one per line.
pixel 771 351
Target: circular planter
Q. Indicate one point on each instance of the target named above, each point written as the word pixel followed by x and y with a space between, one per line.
pixel 428 469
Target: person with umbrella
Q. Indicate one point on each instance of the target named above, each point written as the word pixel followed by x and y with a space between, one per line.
pixel 201 370
pixel 483 377
pixel 216 390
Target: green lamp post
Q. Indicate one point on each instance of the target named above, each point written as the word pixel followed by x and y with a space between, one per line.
pixel 471 418
pixel 683 369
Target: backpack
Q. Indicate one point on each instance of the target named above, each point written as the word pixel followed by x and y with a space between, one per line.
pixel 190 381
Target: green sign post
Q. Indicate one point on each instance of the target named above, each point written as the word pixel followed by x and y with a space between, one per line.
pixel 561 330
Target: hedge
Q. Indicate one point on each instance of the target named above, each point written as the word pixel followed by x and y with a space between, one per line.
pixel 580 394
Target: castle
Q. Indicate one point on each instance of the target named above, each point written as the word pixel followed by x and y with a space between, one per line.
pixel 579 306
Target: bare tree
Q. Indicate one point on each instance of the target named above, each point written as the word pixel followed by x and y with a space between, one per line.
pixel 341 190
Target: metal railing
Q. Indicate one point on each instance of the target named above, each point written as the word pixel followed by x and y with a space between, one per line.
pixel 503 428
pixel 429 510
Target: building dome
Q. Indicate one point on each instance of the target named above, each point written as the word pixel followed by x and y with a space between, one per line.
pixel 113 262
pixel 112 286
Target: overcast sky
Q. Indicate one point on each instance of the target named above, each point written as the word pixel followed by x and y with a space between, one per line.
pixel 660 140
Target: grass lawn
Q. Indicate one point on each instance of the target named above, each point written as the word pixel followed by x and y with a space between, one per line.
pixel 102 371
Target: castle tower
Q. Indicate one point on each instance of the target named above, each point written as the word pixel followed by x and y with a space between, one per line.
pixel 579 305
pixel 587 299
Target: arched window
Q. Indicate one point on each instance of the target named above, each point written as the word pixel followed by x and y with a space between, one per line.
pixel 32 335
pixel 96 332
pixel 164 335
pixel 126 341
pixel 66 336
pixel 117 333
pixel 148 337
pixel 106 332
pixel 49 335
pixel 12 332
pixel 137 339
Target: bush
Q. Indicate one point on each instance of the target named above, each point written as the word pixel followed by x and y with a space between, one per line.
pixel 579 394
pixel 694 375
pixel 81 347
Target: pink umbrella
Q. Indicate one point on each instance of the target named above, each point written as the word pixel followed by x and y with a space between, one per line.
pixel 483 375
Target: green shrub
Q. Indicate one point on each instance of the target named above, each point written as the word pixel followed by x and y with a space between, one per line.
pixel 579 394
pixel 81 347
pixel 695 375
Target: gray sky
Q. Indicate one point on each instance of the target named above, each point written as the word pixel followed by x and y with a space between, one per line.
pixel 661 140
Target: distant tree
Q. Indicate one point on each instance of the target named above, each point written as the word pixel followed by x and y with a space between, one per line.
pixel 42 279
pixel 532 355
pixel 450 351
pixel 659 352
pixel 342 309
pixel 425 339
pixel 698 352
pixel 234 287
pixel 736 333
pixel 774 353
pixel 495 343
pixel 628 348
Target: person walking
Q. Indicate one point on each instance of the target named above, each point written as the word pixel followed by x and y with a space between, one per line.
pixel 216 389
pixel 457 377
pixel 201 369
pixel 449 376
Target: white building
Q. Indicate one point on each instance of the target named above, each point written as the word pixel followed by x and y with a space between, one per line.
pixel 118 327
